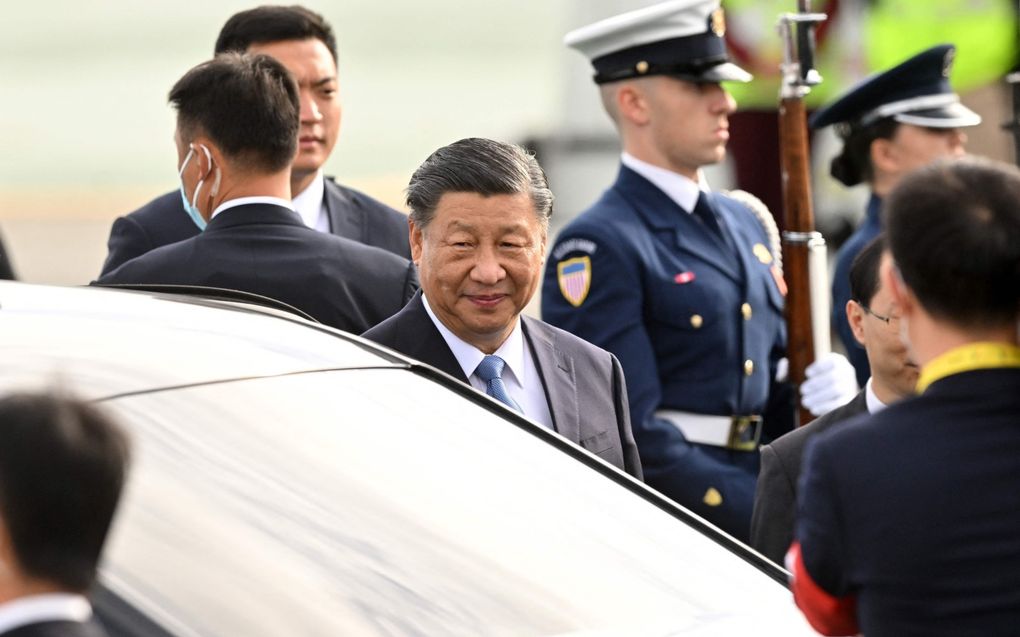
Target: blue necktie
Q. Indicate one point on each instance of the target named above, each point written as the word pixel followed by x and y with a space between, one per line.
pixel 490 370
pixel 703 210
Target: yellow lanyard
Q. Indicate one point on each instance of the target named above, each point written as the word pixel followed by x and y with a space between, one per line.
pixel 967 358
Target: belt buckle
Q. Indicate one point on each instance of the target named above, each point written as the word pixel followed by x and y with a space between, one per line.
pixel 745 432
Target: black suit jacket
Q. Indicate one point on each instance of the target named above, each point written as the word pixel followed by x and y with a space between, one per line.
pixel 57 629
pixel 775 500
pixel 265 249
pixel 352 215
pixel 584 385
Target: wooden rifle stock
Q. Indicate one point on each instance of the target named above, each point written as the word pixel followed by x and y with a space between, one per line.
pixel 799 222
pixel 799 236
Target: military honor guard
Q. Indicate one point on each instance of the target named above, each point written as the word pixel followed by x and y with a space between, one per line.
pixel 908 520
pixel 677 280
pixel 890 124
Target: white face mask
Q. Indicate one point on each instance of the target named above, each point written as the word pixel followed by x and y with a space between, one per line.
pixel 191 207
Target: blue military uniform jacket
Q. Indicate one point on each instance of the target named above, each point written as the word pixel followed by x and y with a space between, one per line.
pixel 697 327
pixel 864 235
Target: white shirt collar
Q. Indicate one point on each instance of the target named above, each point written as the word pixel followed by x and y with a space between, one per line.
pixel 874 404
pixel 309 204
pixel 43 608
pixel 469 356
pixel 243 201
pixel 680 189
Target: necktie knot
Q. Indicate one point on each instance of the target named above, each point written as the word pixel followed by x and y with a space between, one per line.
pixel 703 210
pixel 490 368
pixel 491 371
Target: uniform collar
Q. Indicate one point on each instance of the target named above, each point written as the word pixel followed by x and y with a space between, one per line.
pixel 680 189
pixel 874 210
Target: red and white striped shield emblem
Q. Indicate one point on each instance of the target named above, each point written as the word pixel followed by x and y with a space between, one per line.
pixel 575 279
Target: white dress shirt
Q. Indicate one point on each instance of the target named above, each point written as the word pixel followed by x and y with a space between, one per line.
pixel 243 201
pixel 680 189
pixel 47 607
pixel 310 204
pixel 520 375
pixel 874 404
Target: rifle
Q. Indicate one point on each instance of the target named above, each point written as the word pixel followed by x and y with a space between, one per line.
pixel 804 253
pixel 1013 126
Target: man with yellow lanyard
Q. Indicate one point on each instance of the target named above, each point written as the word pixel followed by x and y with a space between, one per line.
pixel 909 520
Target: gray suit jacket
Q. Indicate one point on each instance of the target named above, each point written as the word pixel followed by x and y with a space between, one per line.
pixel 775 500
pixel 584 385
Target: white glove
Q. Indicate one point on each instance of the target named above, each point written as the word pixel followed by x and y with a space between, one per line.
pixel 830 382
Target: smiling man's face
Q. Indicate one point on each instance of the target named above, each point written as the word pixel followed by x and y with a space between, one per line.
pixel 480 260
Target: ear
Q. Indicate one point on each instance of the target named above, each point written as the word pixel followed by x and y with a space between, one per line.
pixel 416 239
pixel 632 103
pixel 207 155
pixel 902 296
pixel 855 316
pixel 883 156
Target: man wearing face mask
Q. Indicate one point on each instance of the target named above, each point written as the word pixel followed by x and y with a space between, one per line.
pixel 239 184
pixel 304 43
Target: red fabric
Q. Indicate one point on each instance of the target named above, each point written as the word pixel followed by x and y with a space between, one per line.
pixel 828 614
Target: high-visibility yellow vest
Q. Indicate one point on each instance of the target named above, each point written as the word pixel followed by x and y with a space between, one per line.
pixel 871 37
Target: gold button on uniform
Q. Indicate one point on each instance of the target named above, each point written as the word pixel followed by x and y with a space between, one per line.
pixel 745 309
pixel 696 321
pixel 748 367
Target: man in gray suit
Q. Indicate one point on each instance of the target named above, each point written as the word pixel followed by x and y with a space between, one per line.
pixel 873 320
pixel 478 225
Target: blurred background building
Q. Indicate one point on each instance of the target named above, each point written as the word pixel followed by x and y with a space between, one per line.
pixel 87 135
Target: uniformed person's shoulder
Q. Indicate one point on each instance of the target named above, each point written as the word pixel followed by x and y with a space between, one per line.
pixel 756 214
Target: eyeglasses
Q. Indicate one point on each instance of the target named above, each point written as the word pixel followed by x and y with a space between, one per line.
pixel 888 320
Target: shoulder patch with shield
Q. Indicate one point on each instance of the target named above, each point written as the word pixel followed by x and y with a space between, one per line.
pixel 574 276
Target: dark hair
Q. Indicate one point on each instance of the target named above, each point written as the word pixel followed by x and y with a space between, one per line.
pixel 247 104
pixel 864 271
pixel 853 164
pixel 481 166
pixel 273 24
pixel 62 466
pixel 954 231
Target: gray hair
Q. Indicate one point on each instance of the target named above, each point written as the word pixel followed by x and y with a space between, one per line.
pixel 480 166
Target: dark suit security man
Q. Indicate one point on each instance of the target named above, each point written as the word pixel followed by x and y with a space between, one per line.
pixel 677 281
pixel 907 520
pixel 874 319
pixel 239 183
pixel 479 213
pixel 304 43
pixel 891 124
pixel 62 466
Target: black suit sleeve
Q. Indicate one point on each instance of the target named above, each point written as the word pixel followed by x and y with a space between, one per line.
pixel 631 461
pixel 774 507
pixel 128 240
